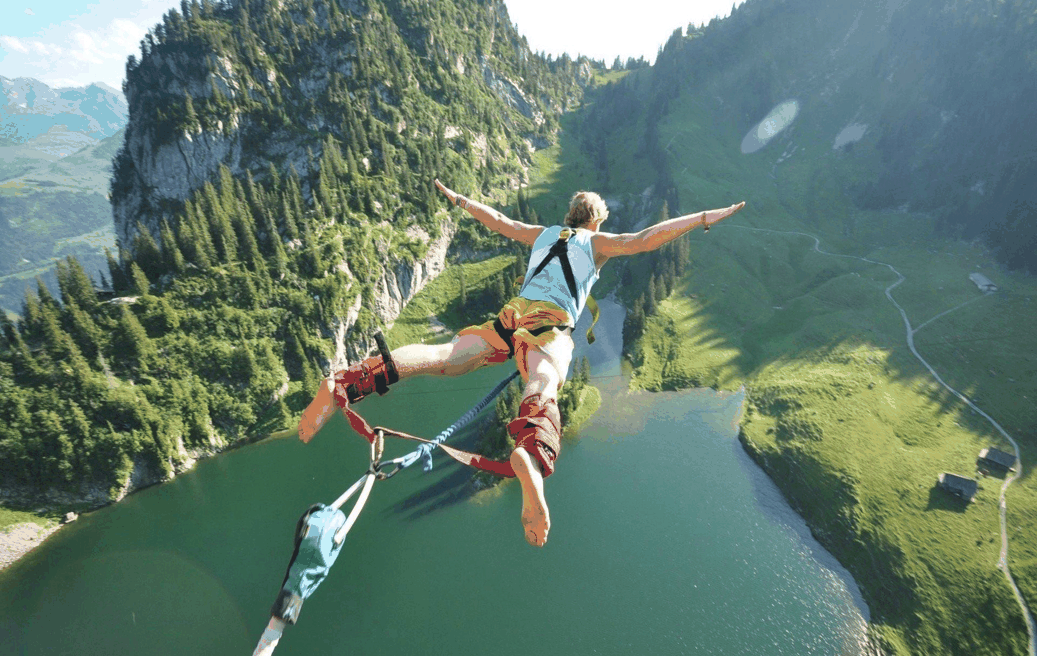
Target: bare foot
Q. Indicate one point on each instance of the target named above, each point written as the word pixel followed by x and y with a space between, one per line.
pixel 317 413
pixel 536 520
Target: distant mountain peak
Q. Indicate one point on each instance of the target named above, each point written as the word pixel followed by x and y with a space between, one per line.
pixel 34 108
pixel 106 87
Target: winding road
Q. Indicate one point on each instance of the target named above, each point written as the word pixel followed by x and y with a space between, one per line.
pixel 1002 504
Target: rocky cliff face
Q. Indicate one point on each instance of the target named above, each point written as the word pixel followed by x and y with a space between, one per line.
pixel 391 85
pixel 400 282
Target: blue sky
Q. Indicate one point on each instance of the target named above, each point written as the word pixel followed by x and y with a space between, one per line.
pixel 73 42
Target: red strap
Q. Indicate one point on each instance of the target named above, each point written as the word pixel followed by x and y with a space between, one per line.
pixel 464 457
pixel 359 424
pixel 480 462
pixel 475 460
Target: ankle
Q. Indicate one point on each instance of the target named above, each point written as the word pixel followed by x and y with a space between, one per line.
pixel 367 376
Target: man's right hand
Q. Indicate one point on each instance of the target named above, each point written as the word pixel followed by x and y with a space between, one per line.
pixel 449 193
pixel 714 216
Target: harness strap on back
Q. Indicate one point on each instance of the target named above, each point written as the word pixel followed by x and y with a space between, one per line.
pixel 560 249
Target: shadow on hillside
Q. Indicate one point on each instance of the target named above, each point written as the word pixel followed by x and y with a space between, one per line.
pixel 940 499
pixel 764 298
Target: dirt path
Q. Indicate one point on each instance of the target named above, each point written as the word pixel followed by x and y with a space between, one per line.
pixel 1003 505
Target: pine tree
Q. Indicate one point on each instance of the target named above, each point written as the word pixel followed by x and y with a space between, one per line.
pixel 222 231
pixel 291 230
pixel 140 285
pixel 500 291
pixel 295 201
pixel 79 433
pixel 118 274
pixel 75 284
pixel 305 369
pixel 190 244
pixel 523 206
pixel 146 252
pixel 246 230
pixel 131 345
pixel 190 117
pixel 7 330
pixel 257 205
pixel 464 286
pixel 633 324
pixel 172 258
pixel 31 316
pixel 83 330
pixel 47 299
pixel 311 255
pixel 27 370
pixel 273 184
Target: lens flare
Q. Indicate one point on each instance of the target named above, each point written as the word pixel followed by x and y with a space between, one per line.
pixel 777 120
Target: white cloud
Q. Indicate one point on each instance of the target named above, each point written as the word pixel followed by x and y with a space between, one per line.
pixel 12 43
pixel 603 29
pixel 86 48
pixel 47 50
pixel 30 11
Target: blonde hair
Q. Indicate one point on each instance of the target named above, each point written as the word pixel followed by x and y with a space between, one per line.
pixel 585 207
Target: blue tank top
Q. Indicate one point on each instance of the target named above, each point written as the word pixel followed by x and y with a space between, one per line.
pixel 549 284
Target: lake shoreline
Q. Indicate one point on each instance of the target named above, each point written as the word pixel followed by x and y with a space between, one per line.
pixel 873 640
pixel 18 540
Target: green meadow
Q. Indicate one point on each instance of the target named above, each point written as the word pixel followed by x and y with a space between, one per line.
pixel 850 425
pixel 10 517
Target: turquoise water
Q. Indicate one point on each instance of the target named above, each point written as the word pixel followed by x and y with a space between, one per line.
pixel 666 539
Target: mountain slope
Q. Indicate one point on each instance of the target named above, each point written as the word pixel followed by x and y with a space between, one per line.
pixel 56 150
pixel 274 206
pixel 32 108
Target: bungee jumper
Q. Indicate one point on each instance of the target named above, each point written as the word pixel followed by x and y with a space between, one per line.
pixel 535 328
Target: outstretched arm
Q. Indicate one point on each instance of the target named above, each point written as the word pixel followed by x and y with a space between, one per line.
pixel 492 219
pixel 653 237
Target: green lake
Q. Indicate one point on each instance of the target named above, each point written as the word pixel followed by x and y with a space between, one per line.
pixel 666 539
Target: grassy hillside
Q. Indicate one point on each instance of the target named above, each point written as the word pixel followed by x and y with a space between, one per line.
pixel 850 425
pixel 51 208
pixel 847 421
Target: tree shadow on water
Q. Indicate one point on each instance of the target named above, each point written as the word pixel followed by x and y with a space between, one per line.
pixel 453 488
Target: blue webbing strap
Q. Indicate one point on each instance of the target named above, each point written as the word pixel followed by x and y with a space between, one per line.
pixel 425 450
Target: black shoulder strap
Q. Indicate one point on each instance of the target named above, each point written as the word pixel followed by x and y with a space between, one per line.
pixel 560 249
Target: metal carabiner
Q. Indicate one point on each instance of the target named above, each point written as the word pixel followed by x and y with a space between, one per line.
pixel 377 449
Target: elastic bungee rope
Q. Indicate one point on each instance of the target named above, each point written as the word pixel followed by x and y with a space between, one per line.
pixel 425 450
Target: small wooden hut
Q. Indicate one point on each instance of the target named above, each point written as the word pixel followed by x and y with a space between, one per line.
pixel 963 487
pixel 985 284
pixel 997 458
